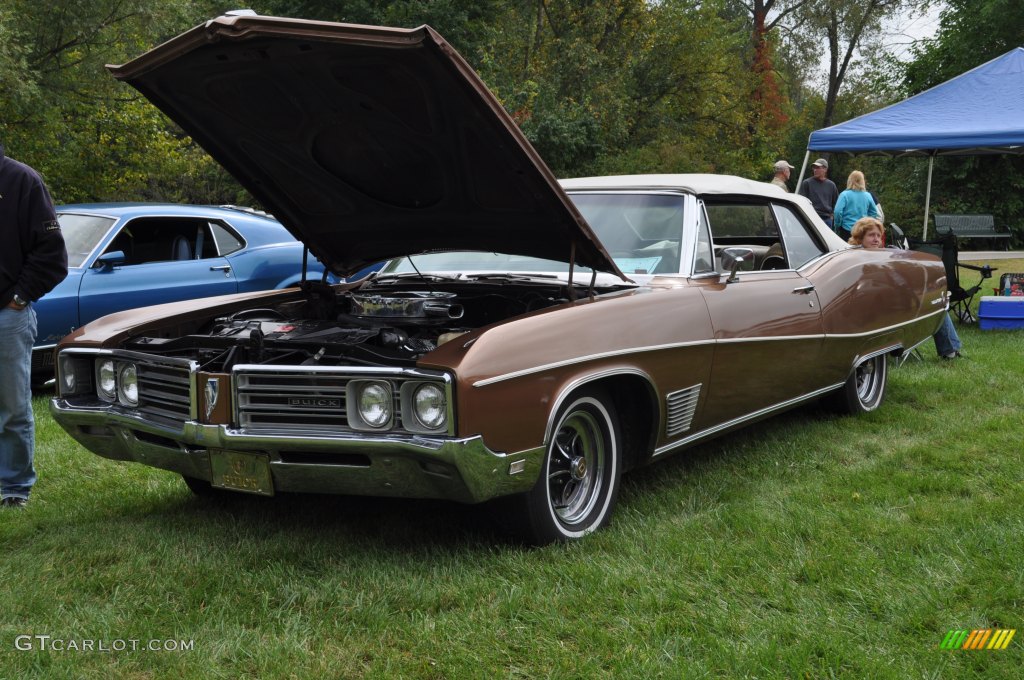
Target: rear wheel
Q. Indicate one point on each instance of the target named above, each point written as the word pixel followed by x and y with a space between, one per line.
pixel 864 390
pixel 579 480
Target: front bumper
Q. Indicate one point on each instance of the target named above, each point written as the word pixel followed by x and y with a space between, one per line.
pixel 405 466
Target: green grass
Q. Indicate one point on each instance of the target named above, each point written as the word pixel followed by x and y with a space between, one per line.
pixel 969 278
pixel 808 546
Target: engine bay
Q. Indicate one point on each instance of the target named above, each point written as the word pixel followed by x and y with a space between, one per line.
pixel 389 323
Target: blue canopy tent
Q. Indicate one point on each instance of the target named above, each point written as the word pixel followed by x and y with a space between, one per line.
pixel 978 112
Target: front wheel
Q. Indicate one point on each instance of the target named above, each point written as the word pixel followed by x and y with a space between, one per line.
pixel 864 390
pixel 579 479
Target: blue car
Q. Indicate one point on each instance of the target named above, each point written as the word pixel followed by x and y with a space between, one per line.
pixel 126 255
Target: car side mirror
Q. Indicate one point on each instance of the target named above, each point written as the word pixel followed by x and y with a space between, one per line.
pixel 733 259
pixel 106 261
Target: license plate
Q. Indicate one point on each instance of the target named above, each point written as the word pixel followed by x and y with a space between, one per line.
pixel 248 472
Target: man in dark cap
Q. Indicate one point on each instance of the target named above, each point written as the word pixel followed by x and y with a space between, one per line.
pixel 32 261
pixel 821 190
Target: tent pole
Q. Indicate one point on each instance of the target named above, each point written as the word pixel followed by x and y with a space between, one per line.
pixel 803 168
pixel 928 197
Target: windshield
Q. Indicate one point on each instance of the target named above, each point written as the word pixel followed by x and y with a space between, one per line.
pixel 641 232
pixel 81 234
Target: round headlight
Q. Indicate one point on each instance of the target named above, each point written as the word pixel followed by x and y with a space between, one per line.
pixel 430 406
pixel 106 380
pixel 375 404
pixel 127 385
pixel 69 378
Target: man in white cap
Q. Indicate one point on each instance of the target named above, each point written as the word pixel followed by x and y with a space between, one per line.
pixel 782 169
pixel 821 190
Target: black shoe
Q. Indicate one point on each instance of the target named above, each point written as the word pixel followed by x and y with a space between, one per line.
pixel 951 355
pixel 14 502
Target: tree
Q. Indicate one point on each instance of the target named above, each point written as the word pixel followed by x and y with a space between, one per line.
pixel 92 137
pixel 768 17
pixel 970 33
pixel 847 29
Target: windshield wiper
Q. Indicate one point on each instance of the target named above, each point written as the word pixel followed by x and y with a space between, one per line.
pixel 411 275
pixel 510 277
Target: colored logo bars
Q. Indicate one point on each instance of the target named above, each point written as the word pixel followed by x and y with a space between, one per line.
pixel 984 638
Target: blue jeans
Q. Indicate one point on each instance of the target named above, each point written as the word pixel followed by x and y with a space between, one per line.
pixel 17 428
pixel 946 339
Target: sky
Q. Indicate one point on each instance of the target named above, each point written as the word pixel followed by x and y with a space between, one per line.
pixel 901 32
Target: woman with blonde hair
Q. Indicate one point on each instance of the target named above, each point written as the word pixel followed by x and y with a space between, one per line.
pixel 854 203
pixel 868 232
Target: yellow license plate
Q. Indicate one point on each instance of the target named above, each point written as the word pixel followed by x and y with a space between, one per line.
pixel 248 472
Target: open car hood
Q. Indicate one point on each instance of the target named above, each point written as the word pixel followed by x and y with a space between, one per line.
pixel 367 143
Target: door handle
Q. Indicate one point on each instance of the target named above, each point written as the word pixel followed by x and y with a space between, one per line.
pixel 221 268
pixel 804 290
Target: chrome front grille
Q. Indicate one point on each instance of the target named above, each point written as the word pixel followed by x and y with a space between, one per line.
pixel 291 400
pixel 680 407
pixel 164 391
pixel 305 400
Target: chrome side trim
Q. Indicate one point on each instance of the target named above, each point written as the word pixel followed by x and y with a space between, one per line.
pixel 750 416
pixel 675 345
pixel 888 350
pixel 887 328
pixel 589 357
pixel 770 338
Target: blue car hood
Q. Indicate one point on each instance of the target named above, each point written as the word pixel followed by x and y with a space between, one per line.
pixel 367 143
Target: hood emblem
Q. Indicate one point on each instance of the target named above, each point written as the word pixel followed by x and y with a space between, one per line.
pixel 212 391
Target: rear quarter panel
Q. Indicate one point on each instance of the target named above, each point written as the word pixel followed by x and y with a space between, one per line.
pixel 874 299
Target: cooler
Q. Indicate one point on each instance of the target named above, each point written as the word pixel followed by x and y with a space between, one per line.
pixel 1001 312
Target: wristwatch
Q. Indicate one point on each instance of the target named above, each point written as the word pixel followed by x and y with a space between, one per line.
pixel 18 300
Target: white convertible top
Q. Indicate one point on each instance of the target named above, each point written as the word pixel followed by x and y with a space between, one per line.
pixel 706 185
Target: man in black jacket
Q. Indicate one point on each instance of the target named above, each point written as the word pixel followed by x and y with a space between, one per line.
pixel 33 260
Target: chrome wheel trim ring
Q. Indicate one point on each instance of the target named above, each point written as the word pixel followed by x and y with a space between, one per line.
pixel 869 380
pixel 576 465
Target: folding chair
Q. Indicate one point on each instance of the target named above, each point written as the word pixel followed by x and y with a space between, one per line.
pixel 946 248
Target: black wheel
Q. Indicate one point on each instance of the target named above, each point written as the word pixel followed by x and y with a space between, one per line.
pixel 579 479
pixel 864 390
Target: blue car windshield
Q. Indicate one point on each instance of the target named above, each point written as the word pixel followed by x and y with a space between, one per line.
pixel 641 232
pixel 81 234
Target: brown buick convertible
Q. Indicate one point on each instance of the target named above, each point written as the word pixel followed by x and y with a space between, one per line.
pixel 528 339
